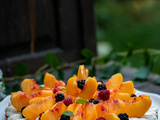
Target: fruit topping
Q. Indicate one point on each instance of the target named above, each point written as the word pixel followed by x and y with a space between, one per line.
pixel 104 94
pixel 101 118
pixel 59 97
pixel 123 116
pixel 56 89
pixel 80 84
pixel 101 87
pixel 133 95
pixel 67 101
pixel 65 117
pixel 95 101
pixel 40 115
pixel 91 100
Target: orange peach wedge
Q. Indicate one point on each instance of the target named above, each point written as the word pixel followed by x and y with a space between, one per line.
pixel 50 80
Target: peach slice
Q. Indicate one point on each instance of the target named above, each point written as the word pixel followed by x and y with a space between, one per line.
pixel 50 80
pixel 138 108
pixel 38 99
pixel 71 87
pixel 89 88
pixel 55 112
pixel 82 73
pixel 90 112
pixel 114 82
pixel 103 112
pixel 29 86
pixel 78 112
pixel 121 96
pixel 115 106
pixel 32 111
pixel 20 99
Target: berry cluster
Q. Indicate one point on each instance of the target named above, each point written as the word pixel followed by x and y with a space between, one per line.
pixel 123 116
pixel 64 117
pixel 80 84
pixel 59 97
pixel 101 87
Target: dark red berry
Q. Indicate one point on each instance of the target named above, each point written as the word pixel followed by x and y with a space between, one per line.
pixel 123 116
pixel 104 94
pixel 67 101
pixel 80 84
pixel 56 89
pixel 101 87
pixel 59 97
pixel 101 118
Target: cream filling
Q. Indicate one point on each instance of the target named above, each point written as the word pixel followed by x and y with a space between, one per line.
pixel 13 114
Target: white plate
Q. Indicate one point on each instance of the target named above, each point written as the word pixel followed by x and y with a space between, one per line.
pixel 155 102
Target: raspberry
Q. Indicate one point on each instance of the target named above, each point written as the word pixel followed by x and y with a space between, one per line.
pixel 133 95
pixel 81 83
pixel 67 101
pixel 64 117
pixel 104 94
pixel 123 116
pixel 101 118
pixel 91 100
pixel 56 89
pixel 59 97
pixel 95 101
pixel 101 87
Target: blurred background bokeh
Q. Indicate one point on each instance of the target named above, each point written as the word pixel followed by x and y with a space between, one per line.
pixel 120 23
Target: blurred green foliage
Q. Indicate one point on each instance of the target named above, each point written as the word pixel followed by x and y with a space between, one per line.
pixel 134 22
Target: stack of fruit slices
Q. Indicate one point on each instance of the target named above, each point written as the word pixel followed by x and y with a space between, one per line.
pixel 82 98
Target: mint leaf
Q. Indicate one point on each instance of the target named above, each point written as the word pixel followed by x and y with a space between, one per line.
pixel 157 81
pixel 52 60
pixel 40 88
pixel 1 74
pixel 68 113
pixel 63 88
pixel 81 100
pixel 142 74
pixel 21 69
pixel 88 56
pixel 110 70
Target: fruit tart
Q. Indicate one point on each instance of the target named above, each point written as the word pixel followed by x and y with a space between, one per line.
pixel 81 98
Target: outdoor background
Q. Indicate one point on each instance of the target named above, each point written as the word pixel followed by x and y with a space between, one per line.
pixel 120 23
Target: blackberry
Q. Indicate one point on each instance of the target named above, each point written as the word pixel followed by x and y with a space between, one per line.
pixel 123 116
pixel 81 83
pixel 91 100
pixel 101 87
pixel 95 101
pixel 133 95
pixel 64 117
pixel 59 97
pixel 22 110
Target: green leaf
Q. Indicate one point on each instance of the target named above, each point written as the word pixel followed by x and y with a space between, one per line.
pixel 142 74
pixel 147 58
pixel 81 100
pixel 88 56
pixel 92 71
pixel 100 61
pixel 52 60
pixel 40 88
pixel 110 70
pixel 60 75
pixel 1 74
pixel 157 81
pixel 21 69
pixel 68 113
pixel 63 88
